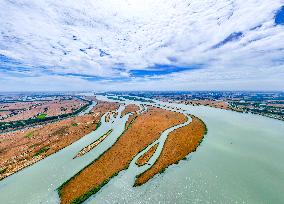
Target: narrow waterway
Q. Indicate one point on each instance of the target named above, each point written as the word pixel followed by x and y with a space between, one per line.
pixel 90 107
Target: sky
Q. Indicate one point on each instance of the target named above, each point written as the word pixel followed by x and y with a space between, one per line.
pixel 113 45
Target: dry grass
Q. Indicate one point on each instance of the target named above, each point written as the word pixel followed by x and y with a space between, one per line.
pixel 131 108
pixel 143 159
pixel 18 148
pixel 145 129
pixel 178 145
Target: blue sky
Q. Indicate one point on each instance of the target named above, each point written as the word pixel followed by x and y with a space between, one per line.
pixel 141 45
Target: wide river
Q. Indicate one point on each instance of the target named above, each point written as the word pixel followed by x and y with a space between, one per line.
pixel 241 160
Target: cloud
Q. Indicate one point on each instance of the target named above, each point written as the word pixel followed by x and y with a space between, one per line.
pixel 115 44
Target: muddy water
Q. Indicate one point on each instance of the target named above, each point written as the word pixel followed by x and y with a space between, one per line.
pixel 240 161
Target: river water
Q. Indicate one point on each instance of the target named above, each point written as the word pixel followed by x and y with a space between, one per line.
pixel 239 161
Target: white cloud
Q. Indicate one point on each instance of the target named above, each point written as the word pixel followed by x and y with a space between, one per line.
pixel 93 38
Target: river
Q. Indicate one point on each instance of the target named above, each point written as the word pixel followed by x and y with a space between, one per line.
pixel 239 161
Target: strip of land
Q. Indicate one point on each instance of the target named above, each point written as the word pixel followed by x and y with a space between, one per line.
pixel 93 145
pixel 107 117
pixel 145 129
pixel 178 145
pixel 22 148
pixel 37 113
pixel 31 109
pixel 215 104
pixel 143 159
pixel 131 108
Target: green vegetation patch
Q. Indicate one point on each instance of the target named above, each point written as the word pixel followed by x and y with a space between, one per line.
pixel 115 98
pixel 98 124
pixel 41 151
pixel 2 170
pixel 41 116
pixel 61 131
pixel 30 134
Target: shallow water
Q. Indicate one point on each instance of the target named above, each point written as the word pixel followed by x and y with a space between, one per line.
pixel 240 161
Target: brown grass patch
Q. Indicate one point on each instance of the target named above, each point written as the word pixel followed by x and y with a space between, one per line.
pixel 211 103
pixel 61 131
pixel 25 110
pixel 18 148
pixel 143 159
pixel 178 145
pixel 131 108
pixel 145 129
